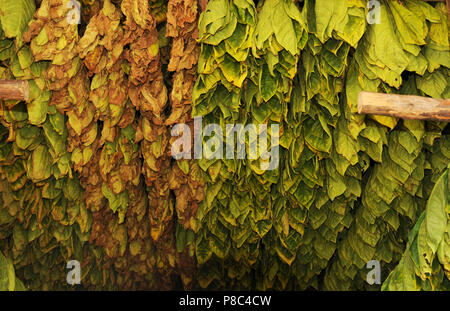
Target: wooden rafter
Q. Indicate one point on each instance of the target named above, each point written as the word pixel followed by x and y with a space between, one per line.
pixel 404 106
pixel 14 89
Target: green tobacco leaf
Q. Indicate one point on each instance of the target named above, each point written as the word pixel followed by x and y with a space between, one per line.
pixel 15 15
pixel 203 250
pixel 415 270
pixel 283 28
pixel 8 280
pixel 436 212
pixel 329 14
pixel 39 164
pixel 268 84
pixel 411 28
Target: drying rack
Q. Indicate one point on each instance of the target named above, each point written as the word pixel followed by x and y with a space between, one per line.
pixel 400 106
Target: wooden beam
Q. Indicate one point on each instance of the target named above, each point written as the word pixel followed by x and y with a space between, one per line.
pixel 404 106
pixel 14 90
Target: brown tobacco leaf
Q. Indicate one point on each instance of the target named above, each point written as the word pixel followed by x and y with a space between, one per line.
pixel 166 258
pixel 101 49
pixel 90 8
pixel 91 181
pixel 52 38
pixel 84 139
pixel 102 43
pixel 82 116
pixel 156 169
pixel 187 183
pixel 147 90
pixel 187 268
pixel 189 189
pixel 148 94
pixel 108 95
pixel 120 169
pixel 182 26
pixel 108 162
pixel 180 99
pixel 159 10
pixel 130 252
pixel 203 4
